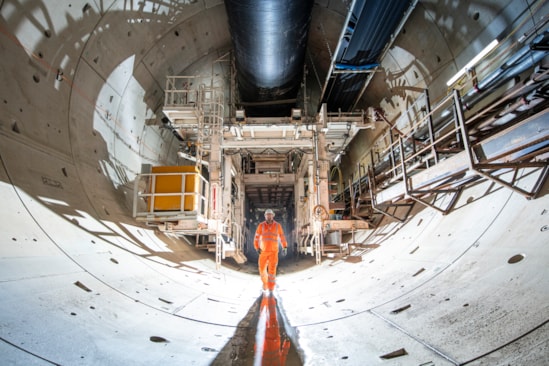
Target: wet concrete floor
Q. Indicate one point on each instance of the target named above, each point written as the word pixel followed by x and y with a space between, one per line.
pixel 260 339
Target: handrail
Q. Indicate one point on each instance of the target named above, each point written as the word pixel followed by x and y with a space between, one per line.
pixel 145 193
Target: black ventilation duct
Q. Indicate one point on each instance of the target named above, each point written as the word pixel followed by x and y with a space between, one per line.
pixel 269 39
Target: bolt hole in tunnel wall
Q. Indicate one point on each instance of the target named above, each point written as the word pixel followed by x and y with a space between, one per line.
pixel 83 283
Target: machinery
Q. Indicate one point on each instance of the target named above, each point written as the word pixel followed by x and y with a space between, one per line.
pixel 238 161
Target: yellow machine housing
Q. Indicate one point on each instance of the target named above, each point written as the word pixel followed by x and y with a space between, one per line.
pixel 176 184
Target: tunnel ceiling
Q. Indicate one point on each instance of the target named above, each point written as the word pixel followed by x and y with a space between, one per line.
pixel 270 42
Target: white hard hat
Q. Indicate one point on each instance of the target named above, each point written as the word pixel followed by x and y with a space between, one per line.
pixel 269 211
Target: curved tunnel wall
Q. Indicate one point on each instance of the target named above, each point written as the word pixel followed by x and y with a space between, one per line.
pixel 81 283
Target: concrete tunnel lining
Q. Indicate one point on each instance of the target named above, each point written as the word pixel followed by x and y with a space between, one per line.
pixel 126 298
pixel 65 220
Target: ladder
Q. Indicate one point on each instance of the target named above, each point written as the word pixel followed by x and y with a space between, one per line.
pixel 209 134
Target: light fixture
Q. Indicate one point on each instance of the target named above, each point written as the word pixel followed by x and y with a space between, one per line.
pixel 240 115
pixel 296 114
pixel 338 156
pixel 473 62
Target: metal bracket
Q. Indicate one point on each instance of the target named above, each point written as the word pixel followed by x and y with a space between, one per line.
pixel 416 194
pixel 371 187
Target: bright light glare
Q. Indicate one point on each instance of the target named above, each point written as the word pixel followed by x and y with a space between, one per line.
pixel 53 201
pixel 473 62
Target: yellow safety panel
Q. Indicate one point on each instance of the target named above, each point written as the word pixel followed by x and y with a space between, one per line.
pixel 177 183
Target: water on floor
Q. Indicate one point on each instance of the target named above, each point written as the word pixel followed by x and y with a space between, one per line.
pixel 261 338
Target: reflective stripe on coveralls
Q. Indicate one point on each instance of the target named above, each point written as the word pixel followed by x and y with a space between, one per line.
pixel 268 261
pixel 267 235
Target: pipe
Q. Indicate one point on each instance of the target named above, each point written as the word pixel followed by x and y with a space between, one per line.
pixel 517 63
pixel 269 39
pixel 522 60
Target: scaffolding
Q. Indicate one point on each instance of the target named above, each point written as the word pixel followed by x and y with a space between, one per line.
pixel 444 151
pixel 195 111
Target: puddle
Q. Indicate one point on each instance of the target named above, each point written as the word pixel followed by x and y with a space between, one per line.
pixel 260 339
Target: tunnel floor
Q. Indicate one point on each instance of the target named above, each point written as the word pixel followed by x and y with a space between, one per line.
pixel 448 290
pixel 260 338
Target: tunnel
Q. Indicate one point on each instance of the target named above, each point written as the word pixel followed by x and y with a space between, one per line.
pixel 454 276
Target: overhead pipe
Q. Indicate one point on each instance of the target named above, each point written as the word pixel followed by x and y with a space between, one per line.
pixel 522 60
pixel 269 40
pixel 525 58
pixel 371 27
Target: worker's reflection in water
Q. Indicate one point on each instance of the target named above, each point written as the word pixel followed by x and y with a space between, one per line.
pixel 270 347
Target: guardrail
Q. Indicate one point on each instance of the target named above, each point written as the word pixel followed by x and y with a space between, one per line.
pixel 186 195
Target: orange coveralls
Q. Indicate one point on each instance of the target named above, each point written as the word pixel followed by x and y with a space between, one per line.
pixel 266 238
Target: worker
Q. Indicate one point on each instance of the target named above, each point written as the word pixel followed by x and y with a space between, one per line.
pixel 267 237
